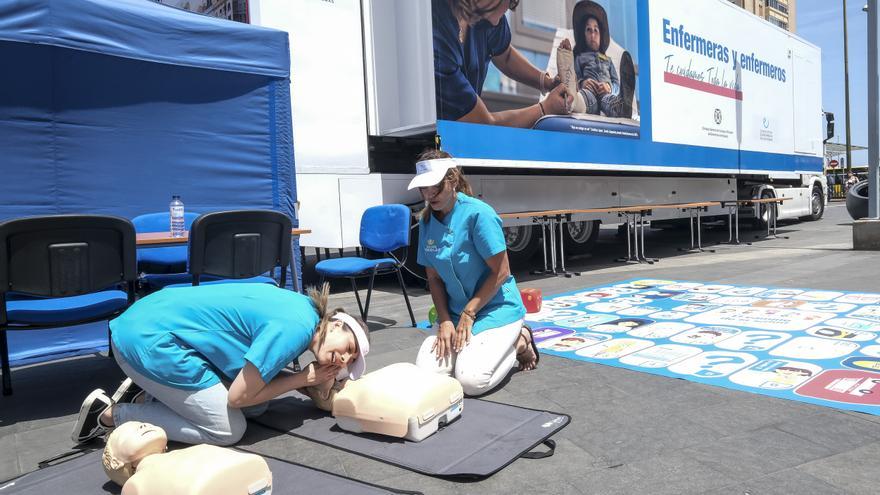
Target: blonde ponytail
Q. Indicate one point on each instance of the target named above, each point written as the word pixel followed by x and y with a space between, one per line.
pixel 320 300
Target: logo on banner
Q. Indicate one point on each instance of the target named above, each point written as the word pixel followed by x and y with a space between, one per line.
pixel 718 116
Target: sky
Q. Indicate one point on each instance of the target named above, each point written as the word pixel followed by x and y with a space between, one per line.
pixel 821 22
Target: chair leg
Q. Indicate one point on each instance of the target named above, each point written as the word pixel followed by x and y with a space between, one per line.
pixel 7 374
pixel 369 293
pixel 406 297
pixel 357 296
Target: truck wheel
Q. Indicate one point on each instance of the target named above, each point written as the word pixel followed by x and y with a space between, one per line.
pixel 762 211
pixel 580 236
pixel 817 205
pixel 522 242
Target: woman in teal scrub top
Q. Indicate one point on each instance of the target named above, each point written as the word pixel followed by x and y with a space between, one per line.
pixel 479 335
pixel 206 355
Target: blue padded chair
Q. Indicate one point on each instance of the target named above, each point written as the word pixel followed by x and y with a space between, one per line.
pixel 239 246
pixel 384 229
pixel 63 270
pixel 161 266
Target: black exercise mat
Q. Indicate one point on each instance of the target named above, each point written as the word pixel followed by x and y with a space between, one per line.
pixel 83 475
pixel 487 437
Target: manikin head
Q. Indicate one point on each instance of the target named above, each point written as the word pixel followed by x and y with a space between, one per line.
pixel 128 445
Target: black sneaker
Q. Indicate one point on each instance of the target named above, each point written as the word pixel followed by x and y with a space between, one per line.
pixel 627 85
pixel 127 392
pixel 87 425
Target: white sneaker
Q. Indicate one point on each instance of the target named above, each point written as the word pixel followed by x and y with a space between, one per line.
pixel 88 425
pixel 127 392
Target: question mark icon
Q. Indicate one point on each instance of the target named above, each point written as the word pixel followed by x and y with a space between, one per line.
pixel 717 361
pixel 713 361
pixel 752 343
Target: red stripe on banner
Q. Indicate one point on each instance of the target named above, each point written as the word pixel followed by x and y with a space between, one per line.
pixel 701 86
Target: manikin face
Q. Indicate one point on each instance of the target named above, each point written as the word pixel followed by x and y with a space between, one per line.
pixel 131 441
pixel 592 34
pixel 340 346
pixel 493 10
pixel 439 197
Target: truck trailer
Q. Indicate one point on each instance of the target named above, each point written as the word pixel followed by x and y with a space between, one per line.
pixel 726 105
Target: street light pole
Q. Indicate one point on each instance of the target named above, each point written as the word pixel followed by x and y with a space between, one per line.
pixel 846 92
pixel 873 116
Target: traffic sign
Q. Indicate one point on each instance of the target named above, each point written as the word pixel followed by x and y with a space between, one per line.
pixel 833 163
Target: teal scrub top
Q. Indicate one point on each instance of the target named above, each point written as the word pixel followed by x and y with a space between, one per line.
pixel 457 247
pixel 190 337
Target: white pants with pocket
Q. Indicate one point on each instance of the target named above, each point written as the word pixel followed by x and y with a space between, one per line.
pixel 482 364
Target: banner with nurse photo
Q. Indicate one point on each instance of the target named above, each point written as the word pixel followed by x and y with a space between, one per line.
pixel 816 346
pixel 511 64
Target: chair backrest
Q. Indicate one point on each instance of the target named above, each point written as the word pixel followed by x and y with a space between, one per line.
pixel 160 222
pixel 385 228
pixel 66 255
pixel 239 244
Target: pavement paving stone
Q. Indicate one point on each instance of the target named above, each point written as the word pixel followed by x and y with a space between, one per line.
pixel 785 482
pixel 671 473
pixel 855 471
pixel 9 467
pixel 633 436
pixel 760 452
pixel 745 412
pixel 835 430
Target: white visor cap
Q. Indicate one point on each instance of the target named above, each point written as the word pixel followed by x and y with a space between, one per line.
pixel 431 172
pixel 357 367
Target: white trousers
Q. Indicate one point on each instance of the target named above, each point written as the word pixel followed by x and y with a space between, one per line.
pixel 482 364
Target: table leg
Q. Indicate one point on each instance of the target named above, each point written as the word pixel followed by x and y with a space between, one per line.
pixel 562 252
pixel 552 227
pixel 729 225
pixel 294 273
pixel 630 258
pixel 699 230
pixel 543 248
pixel 642 223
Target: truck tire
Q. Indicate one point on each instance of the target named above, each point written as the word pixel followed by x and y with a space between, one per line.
pixel 817 205
pixel 857 200
pixel 762 211
pixel 580 237
pixel 523 241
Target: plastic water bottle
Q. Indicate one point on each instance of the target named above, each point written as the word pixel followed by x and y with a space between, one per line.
pixel 178 225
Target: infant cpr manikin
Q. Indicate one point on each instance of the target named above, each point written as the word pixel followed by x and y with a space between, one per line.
pixel 135 458
pixel 400 400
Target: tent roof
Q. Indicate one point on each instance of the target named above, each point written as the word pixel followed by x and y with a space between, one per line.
pixel 145 30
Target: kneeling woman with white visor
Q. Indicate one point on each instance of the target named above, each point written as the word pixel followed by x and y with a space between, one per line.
pixel 208 356
pixel 479 335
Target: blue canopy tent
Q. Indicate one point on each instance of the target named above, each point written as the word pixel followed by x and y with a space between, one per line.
pixel 112 106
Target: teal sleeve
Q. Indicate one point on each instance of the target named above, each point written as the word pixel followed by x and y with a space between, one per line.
pixel 487 233
pixel 275 346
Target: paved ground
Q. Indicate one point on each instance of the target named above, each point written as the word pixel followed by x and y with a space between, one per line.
pixel 630 433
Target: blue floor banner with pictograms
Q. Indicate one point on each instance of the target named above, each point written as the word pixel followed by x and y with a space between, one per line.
pixel 816 346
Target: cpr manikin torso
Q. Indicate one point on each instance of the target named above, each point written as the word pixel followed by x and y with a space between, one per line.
pixel 135 458
pixel 400 400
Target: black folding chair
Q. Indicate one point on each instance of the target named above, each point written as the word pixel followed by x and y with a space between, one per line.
pixel 240 245
pixel 63 270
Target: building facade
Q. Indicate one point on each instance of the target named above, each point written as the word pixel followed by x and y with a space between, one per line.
pixel 778 12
